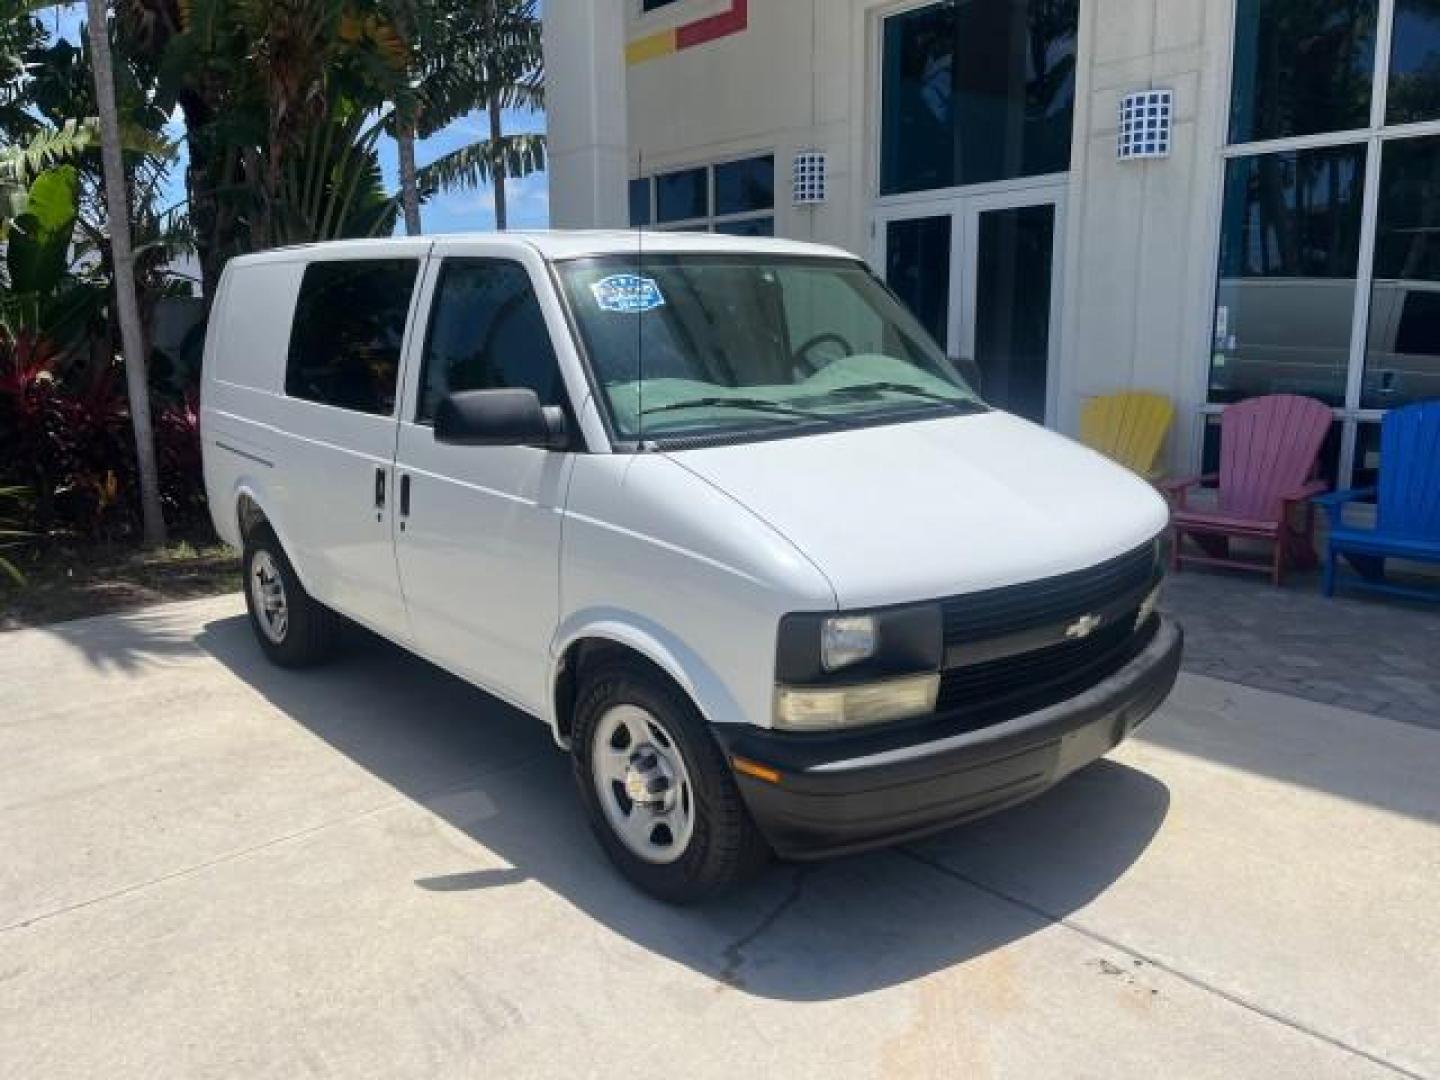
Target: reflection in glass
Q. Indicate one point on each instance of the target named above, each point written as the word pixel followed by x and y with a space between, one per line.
pixel 1301 67
pixel 917 269
pixel 1012 307
pixel 977 91
pixel 1402 361
pixel 1415 63
pixel 681 196
pixel 1289 250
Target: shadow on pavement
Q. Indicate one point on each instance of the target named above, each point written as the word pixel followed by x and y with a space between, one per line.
pixel 126 642
pixel 803 933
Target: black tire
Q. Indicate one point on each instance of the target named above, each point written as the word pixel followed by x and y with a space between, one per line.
pixel 309 636
pixel 725 847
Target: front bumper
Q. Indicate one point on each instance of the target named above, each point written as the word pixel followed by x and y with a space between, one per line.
pixel 844 793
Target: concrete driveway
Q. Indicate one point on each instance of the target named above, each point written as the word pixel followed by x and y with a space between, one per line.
pixel 209 867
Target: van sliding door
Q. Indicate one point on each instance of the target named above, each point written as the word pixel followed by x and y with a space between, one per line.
pixel 342 381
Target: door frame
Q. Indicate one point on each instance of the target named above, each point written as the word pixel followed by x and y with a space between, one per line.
pixel 964 207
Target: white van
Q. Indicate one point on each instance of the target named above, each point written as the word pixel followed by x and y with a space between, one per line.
pixel 716 510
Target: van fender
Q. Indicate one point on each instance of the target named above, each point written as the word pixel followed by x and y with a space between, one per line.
pixel 246 486
pixel 691 672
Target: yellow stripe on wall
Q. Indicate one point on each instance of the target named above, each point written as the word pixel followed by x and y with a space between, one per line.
pixel 649 48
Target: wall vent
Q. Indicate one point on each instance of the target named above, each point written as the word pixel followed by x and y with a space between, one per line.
pixel 811 178
pixel 1146 118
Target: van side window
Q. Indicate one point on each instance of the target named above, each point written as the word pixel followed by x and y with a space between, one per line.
pixel 348 331
pixel 487 332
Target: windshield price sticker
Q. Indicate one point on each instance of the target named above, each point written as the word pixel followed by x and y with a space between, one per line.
pixel 627 294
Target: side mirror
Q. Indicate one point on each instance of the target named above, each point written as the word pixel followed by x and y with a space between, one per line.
pixel 499 418
pixel 969 371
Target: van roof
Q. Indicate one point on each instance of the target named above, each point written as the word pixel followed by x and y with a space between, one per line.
pixel 564 244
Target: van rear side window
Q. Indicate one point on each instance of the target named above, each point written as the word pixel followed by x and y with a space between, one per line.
pixel 348 331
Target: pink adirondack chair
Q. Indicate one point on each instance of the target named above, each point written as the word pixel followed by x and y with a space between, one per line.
pixel 1268 452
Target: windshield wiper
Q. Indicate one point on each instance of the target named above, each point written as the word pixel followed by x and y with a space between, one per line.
pixel 774 408
pixel 914 391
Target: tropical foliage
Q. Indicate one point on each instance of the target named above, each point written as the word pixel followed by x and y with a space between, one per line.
pixel 485 56
pixel 270 115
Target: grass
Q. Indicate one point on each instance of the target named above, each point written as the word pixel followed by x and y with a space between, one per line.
pixel 72 580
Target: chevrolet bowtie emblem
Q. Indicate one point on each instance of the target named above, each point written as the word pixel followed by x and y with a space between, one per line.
pixel 1083 627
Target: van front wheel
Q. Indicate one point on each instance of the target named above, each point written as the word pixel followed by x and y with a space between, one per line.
pixel 657 788
pixel 293 629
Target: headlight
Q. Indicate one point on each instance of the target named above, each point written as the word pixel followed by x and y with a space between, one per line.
pixel 804 708
pixel 846 640
pixel 856 668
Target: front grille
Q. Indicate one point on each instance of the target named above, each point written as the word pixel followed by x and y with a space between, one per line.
pixel 998 689
pixel 1010 609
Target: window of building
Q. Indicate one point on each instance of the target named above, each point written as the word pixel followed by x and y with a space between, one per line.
pixel 655 5
pixel 917 255
pixel 976 92
pixel 348 331
pixel 487 332
pixel 1301 67
pixel 734 197
pixel 682 196
pixel 1289 245
pixel 1414 63
pixel 1298 309
pixel 1402 359
pixel 744 187
pixel 640 216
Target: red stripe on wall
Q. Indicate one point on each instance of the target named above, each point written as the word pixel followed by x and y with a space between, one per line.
pixel 716 26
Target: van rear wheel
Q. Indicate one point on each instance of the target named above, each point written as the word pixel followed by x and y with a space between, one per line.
pixel 293 629
pixel 657 789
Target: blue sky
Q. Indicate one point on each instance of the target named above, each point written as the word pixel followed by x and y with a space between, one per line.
pixel 529 200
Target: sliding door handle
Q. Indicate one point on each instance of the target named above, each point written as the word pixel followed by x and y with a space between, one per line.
pixel 405 495
pixel 379 489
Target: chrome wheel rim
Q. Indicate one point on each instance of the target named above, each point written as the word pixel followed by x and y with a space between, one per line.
pixel 643 785
pixel 267 590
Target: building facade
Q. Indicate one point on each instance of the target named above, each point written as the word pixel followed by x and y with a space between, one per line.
pixel 1210 199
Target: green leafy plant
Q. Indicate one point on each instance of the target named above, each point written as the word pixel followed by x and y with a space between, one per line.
pixel 37 254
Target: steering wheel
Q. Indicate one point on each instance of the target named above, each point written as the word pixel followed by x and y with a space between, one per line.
pixel 800 355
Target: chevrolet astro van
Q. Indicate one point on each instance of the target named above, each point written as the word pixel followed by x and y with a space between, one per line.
pixel 715 510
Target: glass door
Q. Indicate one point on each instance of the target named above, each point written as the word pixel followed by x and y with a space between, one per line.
pixel 981 272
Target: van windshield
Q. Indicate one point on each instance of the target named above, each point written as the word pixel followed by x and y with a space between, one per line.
pixel 692 346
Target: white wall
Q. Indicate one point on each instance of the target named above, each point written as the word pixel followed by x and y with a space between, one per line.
pixel 585 117
pixel 1140 240
pixel 1141 244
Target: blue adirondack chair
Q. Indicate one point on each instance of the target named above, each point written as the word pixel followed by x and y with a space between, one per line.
pixel 1407 519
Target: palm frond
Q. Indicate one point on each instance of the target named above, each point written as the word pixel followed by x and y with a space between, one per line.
pixel 472 166
pixel 22 162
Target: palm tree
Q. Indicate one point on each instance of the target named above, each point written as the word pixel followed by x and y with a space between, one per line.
pixel 490 61
pixel 118 215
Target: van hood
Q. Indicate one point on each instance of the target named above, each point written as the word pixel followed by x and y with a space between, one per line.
pixel 935 508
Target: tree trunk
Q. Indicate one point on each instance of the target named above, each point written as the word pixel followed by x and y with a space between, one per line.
pixel 497 168
pixel 117 213
pixel 409 186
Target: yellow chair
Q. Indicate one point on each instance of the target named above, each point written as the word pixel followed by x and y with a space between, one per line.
pixel 1129 427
